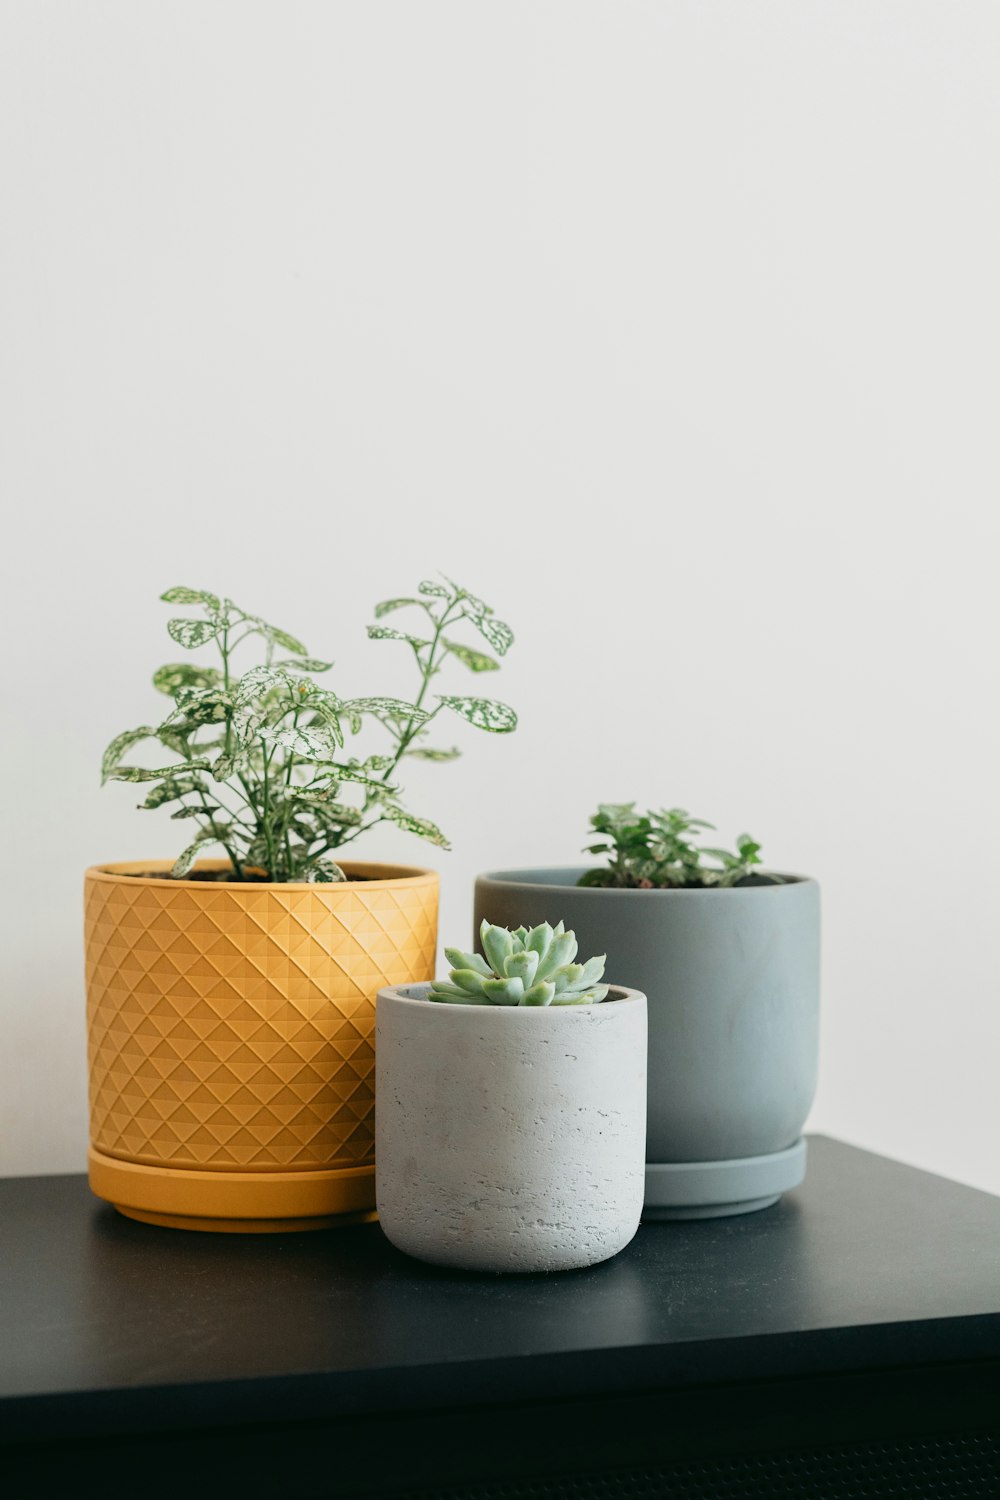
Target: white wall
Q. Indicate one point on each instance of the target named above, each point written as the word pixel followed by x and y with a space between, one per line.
pixel 670 328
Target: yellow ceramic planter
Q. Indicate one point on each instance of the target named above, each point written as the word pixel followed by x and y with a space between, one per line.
pixel 231 1040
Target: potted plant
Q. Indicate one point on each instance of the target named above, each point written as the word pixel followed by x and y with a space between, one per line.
pixel 729 958
pixel 510 1118
pixel 231 1001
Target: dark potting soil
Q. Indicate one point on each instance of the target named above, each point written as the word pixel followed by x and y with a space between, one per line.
pixel 224 877
pixel 693 885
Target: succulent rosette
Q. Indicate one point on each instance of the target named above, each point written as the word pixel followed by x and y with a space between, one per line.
pixel 522 967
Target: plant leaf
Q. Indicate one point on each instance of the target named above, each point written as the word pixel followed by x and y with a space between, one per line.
pixel 171 678
pixel 182 864
pixel 476 661
pixel 139 773
pixel 475 608
pixel 395 706
pixel 225 767
pixel 428 753
pixel 193 633
pixel 388 605
pixel 504 991
pixel 195 812
pixel 499 635
pixel 540 993
pixel 325 872
pixel 459 960
pixel 191 596
pixel 261 680
pixel 118 746
pixel 436 590
pixel 356 771
pixel 304 664
pixel 591 997
pixel 288 642
pixel 197 706
pixel 246 726
pixel 498 945
pixel 309 741
pixel 328 709
pixel 485 713
pixel 423 827
pixel 169 790
pixel 328 811
pixel 386 633
pixel 276 636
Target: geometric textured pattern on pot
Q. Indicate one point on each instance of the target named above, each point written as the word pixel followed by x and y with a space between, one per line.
pixel 231 1027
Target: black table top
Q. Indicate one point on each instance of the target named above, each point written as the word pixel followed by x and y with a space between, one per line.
pixel 108 1325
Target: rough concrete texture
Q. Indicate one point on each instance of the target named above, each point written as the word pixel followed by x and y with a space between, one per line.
pixel 510 1138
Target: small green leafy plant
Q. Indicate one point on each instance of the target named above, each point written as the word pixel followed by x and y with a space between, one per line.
pixel 656 851
pixel 522 968
pixel 260 765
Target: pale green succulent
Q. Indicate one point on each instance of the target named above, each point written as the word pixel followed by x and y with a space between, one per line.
pixel 521 968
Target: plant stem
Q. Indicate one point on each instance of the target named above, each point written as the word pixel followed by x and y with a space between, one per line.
pixel 429 671
pixel 266 821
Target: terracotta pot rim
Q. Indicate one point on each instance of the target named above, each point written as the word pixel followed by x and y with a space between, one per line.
pixel 121 871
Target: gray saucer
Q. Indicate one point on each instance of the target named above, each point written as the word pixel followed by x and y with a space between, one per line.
pixel 716 1189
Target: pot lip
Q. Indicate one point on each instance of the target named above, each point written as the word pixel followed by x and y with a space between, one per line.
pixel 402 994
pixel 522 878
pixel 130 870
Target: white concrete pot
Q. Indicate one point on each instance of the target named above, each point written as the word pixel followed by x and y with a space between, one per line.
pixel 510 1138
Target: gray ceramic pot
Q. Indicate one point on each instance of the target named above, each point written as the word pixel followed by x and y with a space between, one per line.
pixel 732 980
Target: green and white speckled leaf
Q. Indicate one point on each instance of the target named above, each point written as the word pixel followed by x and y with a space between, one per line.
pixel 176 675
pixel 397 707
pixel 423 827
pixel 185 860
pixel 246 726
pixel 473 607
pixel 373 763
pixel 170 789
pixel 139 773
pixel 325 872
pixel 484 713
pixel 195 812
pixel 260 681
pixel 191 596
pixel 193 633
pixel 305 664
pixel 197 706
pixel 327 810
pixel 328 708
pixel 277 637
pixel 175 738
pixel 118 746
pixel 435 590
pixel 499 634
pixel 356 772
pixel 476 661
pixel 386 633
pixel 388 605
pixel 287 642
pixel 427 752
pixel 310 742
pixel 225 767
